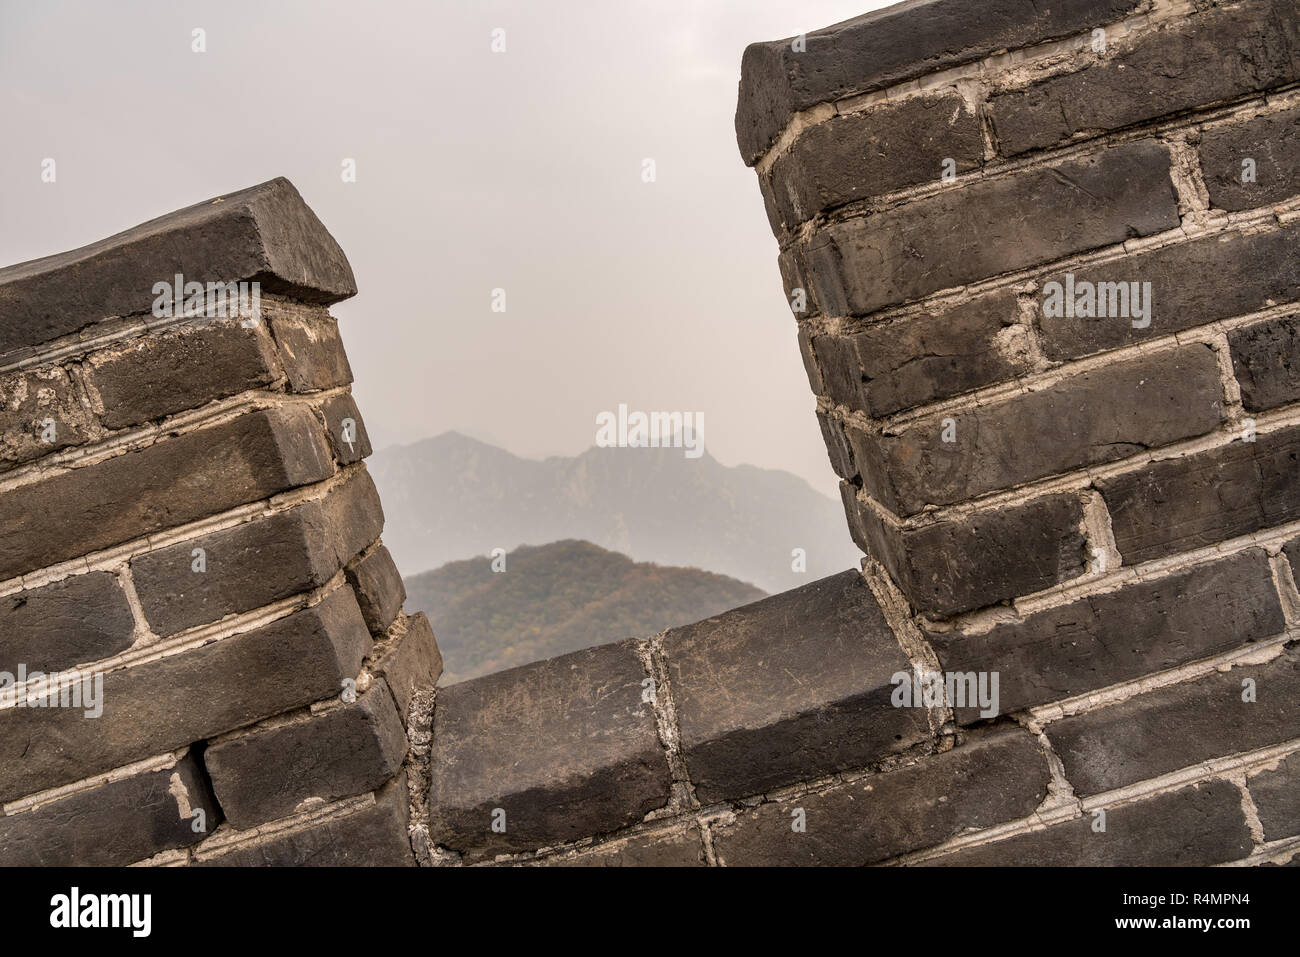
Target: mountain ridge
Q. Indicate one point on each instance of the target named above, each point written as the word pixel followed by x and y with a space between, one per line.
pixel 451 496
pixel 541 601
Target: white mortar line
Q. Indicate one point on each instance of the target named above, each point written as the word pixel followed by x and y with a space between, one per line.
pixel 176 426
pixel 188 640
pixel 664 707
pixel 1079 479
pixel 119 328
pixel 111 559
pixel 1265 219
pixel 1261 652
pixel 1216 769
pixel 1130 27
pixel 161 762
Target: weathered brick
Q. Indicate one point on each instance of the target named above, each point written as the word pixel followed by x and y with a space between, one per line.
pixel 176 480
pixel 1116 636
pixel 1266 362
pixel 678 847
pixel 793 279
pixel 810 362
pixel 203 362
pixel 892 366
pixel 855 156
pixel 1196 826
pixel 760 705
pixel 267 771
pixel 114 823
pixel 837 444
pixel 890 46
pixel 565 748
pixel 265 233
pixel 1192 283
pixel 991 227
pixel 981 559
pixel 169 702
pixel 1094 417
pixel 259 562
pixel 379 588
pixel 408 659
pixel 311 350
pixel 1270 143
pixel 1200 498
pixel 70 622
pixel 38 405
pixel 346 430
pixel 1193 61
pixel 1180 726
pixel 361 833
pixel 994 776
pixel 1276 792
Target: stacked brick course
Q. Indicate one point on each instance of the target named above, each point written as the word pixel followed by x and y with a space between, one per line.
pixel 184 515
pixel 1101 510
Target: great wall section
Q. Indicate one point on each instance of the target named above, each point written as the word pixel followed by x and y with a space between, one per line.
pixel 1044 263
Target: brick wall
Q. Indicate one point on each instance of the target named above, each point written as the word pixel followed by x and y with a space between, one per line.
pixel 185 517
pixel 1101 510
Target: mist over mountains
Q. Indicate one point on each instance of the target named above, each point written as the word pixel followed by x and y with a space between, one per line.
pixel 453 497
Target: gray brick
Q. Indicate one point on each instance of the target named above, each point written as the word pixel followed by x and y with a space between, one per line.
pixel 408 659
pixel 177 480
pixel 892 366
pixel 981 559
pixel 70 622
pixel 679 847
pixel 311 349
pixel 1195 61
pixel 1180 726
pixel 837 444
pixel 1197 826
pixel 203 363
pixel 860 155
pixel 1200 498
pixel 1117 636
pixel 566 748
pixel 113 824
pixel 265 233
pixel 267 771
pixel 345 428
pixel 994 776
pixel 810 362
pixel 1192 283
pixel 1276 792
pixel 1271 142
pixel 372 835
pixel 28 399
pixel 1266 362
pixel 890 46
pixel 259 562
pixel 379 588
pixel 169 702
pixel 1091 418
pixel 991 227
pixel 792 278
pixel 761 704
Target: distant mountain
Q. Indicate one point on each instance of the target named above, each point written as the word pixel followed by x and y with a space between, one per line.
pixel 558 598
pixel 451 497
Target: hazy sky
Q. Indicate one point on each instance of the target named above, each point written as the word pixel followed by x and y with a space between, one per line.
pixel 476 170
